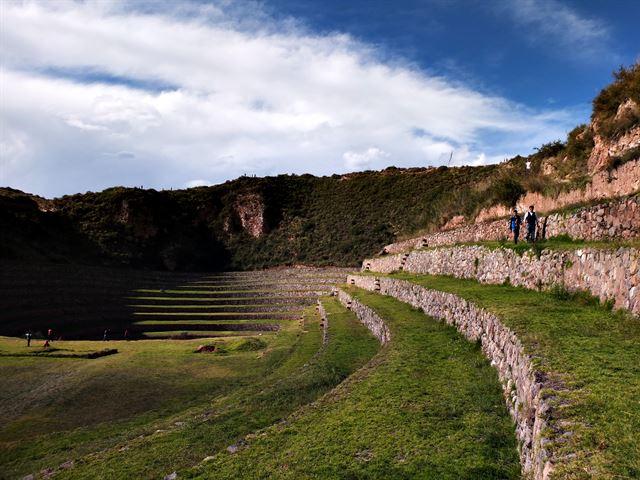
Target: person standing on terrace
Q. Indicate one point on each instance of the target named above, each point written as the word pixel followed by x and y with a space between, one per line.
pixel 531 219
pixel 514 225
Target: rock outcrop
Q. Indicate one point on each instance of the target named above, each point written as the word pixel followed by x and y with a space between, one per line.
pixel 605 149
pixel 250 210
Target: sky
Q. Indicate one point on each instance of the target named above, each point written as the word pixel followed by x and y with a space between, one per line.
pixel 171 94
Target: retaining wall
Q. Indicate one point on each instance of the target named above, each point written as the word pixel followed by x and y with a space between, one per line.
pixel 367 316
pixel 611 275
pixel 617 219
pixel 522 384
pixel 324 320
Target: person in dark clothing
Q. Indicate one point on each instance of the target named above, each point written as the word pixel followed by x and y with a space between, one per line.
pixel 28 339
pixel 514 225
pixel 531 219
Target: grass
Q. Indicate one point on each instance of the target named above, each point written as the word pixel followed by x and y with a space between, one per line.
pixel 207 299
pixel 184 318
pixel 54 409
pixel 200 333
pixel 245 391
pixel 427 406
pixel 225 292
pixel 294 308
pixel 596 354
pixel 216 322
pixel 215 314
pixel 555 243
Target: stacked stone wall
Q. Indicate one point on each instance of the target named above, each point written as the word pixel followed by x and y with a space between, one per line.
pixel 522 384
pixel 324 320
pixel 617 219
pixel 367 316
pixel 609 274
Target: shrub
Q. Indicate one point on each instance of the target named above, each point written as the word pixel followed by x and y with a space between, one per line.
pixel 506 191
pixel 559 291
pixel 626 85
pixel 550 149
pixel 629 155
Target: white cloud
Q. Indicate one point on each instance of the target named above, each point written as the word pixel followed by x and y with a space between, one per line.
pixel 364 159
pixel 198 183
pixel 560 27
pixel 247 99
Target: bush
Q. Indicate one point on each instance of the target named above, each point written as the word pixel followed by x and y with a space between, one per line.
pixel 629 155
pixel 626 85
pixel 506 191
pixel 550 149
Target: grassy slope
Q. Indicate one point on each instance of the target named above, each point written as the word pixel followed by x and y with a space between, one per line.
pixel 427 406
pixel 55 409
pixel 594 351
pixel 560 243
pixel 266 391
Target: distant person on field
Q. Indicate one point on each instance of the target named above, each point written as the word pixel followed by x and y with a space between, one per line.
pixel 105 335
pixel 49 333
pixel 531 219
pixel 514 225
pixel 126 334
pixel 28 335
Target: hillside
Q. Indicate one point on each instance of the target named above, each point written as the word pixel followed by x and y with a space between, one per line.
pixel 289 219
pixel 245 223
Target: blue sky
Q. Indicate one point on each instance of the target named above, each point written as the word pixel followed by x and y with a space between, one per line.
pixel 487 45
pixel 179 94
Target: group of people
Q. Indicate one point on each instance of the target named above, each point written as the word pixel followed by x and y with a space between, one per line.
pixel 47 341
pixel 530 220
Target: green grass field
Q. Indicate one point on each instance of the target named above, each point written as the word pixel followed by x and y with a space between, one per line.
pixel 595 353
pixel 427 406
pixel 156 406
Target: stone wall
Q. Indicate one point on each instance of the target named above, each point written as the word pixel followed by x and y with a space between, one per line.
pixel 609 274
pixel 324 323
pixel 616 219
pixel 522 384
pixel 367 316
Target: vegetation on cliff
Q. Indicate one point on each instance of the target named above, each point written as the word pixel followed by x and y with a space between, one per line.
pixel 300 219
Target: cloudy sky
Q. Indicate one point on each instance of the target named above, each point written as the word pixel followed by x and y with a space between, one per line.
pixel 169 94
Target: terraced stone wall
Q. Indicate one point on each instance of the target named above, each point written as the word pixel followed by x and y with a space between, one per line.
pixel 611 275
pixel 616 219
pixel 522 384
pixel 612 220
pixel 367 316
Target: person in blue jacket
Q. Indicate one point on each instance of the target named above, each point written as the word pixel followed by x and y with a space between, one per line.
pixel 514 225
